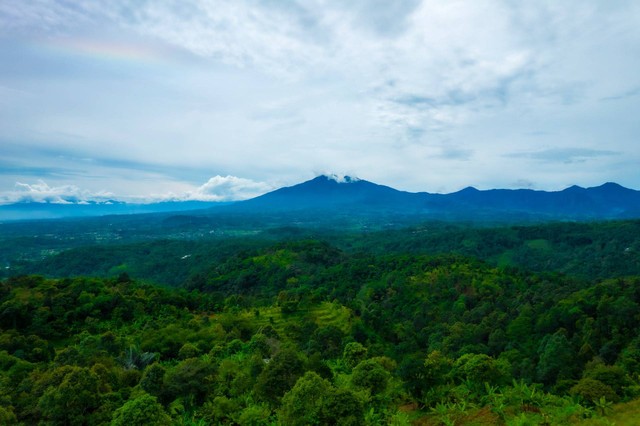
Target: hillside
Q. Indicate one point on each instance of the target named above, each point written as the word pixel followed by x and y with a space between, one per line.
pixel 177 249
pixel 322 306
pixel 302 333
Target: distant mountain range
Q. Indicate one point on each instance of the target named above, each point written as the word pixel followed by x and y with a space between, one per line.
pixel 352 196
pixel 325 193
pixel 34 210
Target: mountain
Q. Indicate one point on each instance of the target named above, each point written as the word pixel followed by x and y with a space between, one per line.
pixel 328 198
pixel 35 210
pixel 607 201
pixel 356 196
pixel 331 192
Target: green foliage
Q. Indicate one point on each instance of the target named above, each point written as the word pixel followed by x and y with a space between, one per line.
pixel 362 334
pixel 591 390
pixel 303 403
pixel 436 368
pixel 141 411
pixel 135 359
pixel 603 406
pixel 72 396
pixel 7 416
pixel 188 350
pixel 370 375
pixel 220 410
pixel 611 375
pixel 353 353
pixel 255 415
pixel 189 378
pixel 153 248
pixel 328 341
pixel 480 369
pixel 153 379
pixel 279 375
pixel 556 358
pixel 343 408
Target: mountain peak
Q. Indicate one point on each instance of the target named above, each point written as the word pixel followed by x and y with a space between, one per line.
pixel 342 193
pixel 333 192
pixel 611 185
pixel 469 189
pixel 340 178
pixel 573 188
pixel 612 189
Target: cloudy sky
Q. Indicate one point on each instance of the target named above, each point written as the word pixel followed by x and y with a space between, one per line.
pixel 207 99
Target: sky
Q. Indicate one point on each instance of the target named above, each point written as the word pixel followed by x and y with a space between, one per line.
pixel 222 100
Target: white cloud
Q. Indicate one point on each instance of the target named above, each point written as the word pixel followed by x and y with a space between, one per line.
pixel 342 178
pixel 228 188
pixel 41 192
pixel 218 188
pixel 399 92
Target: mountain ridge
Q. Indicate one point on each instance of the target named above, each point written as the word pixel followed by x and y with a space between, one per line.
pixel 352 195
pixel 607 201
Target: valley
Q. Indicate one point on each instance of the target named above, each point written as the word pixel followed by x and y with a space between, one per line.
pixel 318 316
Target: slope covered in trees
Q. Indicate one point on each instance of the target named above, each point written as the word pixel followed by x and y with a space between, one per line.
pixel 182 252
pixel 302 332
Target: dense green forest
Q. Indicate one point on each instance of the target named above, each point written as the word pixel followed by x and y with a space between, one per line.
pixel 174 250
pixel 370 329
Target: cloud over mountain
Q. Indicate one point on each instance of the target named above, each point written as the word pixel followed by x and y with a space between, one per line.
pixel 217 188
pixel 420 94
pixel 228 188
pixel 41 192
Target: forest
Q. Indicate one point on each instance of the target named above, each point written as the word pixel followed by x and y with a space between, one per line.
pixel 428 324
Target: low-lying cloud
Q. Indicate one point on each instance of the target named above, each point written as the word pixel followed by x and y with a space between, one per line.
pixel 216 189
pixel 41 192
pixel 228 188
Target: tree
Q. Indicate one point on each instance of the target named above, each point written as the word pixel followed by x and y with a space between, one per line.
pixel 232 380
pixel 302 404
pixel 520 330
pixel 134 358
pixel 188 350
pixel 328 341
pixel 481 368
pixel 220 410
pixel 592 390
pixel 369 374
pixel 611 375
pixel 342 408
pixel 152 379
pixel 7 417
pixel 353 353
pixel 279 375
pixel 141 411
pixel 191 377
pixel 436 368
pixel 255 415
pixel 556 359
pixel 74 399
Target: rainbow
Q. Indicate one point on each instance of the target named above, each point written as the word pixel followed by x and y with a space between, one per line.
pixel 134 53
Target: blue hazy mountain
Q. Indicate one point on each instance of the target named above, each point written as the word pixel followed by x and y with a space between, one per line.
pixel 35 210
pixel 330 192
pixel 352 195
pixel 332 196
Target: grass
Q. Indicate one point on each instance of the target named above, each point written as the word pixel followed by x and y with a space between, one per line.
pixel 626 413
pixel 324 314
pixel 328 313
